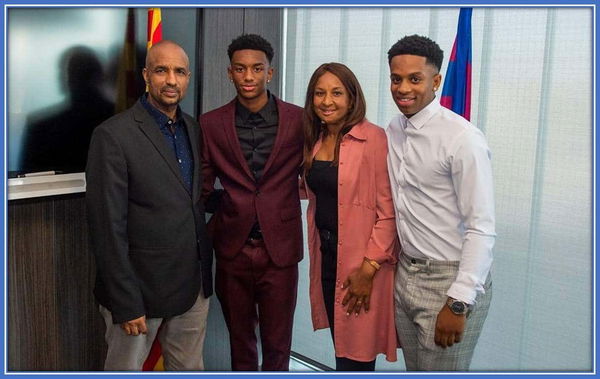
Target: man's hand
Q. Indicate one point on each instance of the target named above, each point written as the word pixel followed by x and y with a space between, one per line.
pixel 135 327
pixel 449 327
pixel 359 284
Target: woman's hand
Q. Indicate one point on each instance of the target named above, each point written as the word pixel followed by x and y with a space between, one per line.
pixel 359 284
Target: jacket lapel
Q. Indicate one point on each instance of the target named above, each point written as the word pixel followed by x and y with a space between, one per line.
pixel 194 144
pixel 282 131
pixel 148 126
pixel 352 153
pixel 317 146
pixel 350 150
pixel 232 137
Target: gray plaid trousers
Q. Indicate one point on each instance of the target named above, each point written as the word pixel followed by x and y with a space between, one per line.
pixel 420 293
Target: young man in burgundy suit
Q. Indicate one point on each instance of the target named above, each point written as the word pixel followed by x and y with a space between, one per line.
pixel 254 146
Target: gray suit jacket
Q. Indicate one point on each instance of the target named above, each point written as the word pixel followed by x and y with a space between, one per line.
pixel 148 233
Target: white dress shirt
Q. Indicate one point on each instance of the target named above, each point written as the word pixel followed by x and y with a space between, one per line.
pixel 441 176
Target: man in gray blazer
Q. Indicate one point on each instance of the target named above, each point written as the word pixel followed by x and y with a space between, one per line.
pixel 146 222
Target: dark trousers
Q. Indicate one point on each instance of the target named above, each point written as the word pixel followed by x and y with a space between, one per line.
pixel 245 282
pixel 328 278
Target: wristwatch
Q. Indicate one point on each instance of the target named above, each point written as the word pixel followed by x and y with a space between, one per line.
pixel 457 307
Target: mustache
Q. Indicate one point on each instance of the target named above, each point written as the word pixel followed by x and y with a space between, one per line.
pixel 170 88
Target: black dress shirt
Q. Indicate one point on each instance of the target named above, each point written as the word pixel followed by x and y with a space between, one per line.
pixel 256 133
pixel 177 138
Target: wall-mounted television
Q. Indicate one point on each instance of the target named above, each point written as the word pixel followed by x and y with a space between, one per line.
pixel 62 73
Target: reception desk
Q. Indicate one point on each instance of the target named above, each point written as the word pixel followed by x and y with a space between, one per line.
pixel 53 320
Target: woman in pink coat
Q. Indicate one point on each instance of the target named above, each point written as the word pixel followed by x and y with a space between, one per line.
pixel 351 227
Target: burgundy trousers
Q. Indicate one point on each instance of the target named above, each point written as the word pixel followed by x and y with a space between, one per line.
pixel 253 291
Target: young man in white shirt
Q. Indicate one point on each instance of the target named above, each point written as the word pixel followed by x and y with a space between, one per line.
pixel 441 176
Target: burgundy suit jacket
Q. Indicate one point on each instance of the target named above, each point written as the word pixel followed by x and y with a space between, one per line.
pixel 273 200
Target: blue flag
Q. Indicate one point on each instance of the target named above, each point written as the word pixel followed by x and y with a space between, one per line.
pixel 456 94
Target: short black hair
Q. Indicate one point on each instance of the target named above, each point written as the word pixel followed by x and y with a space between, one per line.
pixel 250 42
pixel 418 45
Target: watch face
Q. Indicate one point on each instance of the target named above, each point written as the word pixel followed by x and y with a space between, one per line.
pixel 458 307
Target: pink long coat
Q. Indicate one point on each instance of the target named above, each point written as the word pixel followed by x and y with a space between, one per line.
pixel 366 228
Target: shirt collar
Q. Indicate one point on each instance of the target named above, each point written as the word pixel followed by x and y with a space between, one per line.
pixel 358 131
pixel 160 118
pixel 265 112
pixel 419 119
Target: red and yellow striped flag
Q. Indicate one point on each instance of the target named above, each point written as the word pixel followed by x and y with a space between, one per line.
pixel 154 361
pixel 154 26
